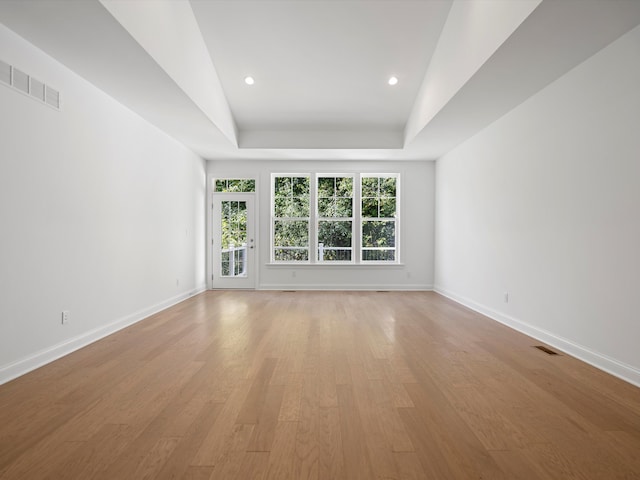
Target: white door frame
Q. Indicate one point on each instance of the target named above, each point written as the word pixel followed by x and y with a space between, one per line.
pixel 217 281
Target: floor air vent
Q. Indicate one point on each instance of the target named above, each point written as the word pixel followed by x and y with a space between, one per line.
pixel 546 350
pixel 22 82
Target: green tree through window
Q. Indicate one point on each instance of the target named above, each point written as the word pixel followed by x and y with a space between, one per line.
pixel 378 219
pixel 234 185
pixel 335 218
pixel 233 224
pixel 291 217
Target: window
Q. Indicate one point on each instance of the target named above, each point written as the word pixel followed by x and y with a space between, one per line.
pixel 343 204
pixel 378 218
pixel 234 185
pixel 335 218
pixel 290 218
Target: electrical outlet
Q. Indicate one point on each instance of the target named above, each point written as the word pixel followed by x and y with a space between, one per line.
pixel 65 316
pixel 506 297
pixel 293 274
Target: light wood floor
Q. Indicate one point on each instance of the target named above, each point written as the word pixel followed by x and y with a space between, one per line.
pixel 318 385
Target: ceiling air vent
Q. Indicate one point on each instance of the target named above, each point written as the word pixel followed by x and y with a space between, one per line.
pixel 5 73
pixel 28 85
pixel 20 80
pixel 37 89
pixel 53 97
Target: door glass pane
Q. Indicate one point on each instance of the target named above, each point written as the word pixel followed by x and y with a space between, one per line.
pixel 233 246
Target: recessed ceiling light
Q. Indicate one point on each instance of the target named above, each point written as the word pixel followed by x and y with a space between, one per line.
pixel 249 80
pixel 393 80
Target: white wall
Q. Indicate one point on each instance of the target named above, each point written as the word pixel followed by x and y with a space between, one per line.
pixel 545 205
pixel 100 214
pixel 417 207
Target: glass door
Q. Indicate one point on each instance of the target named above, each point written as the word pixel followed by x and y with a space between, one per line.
pixel 233 241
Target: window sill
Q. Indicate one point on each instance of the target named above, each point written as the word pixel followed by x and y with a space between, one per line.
pixel 334 265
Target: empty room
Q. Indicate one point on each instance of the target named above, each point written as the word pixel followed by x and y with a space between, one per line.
pixel 320 239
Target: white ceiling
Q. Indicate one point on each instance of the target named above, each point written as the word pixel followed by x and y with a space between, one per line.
pixel 321 67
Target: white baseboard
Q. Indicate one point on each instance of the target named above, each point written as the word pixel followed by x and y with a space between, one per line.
pixel 346 287
pixel 25 365
pixel 603 362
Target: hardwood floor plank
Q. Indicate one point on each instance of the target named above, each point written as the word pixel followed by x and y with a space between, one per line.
pixel 449 434
pixel 41 462
pixel 341 368
pixel 518 466
pixel 198 473
pixel 307 448
pixel 254 402
pixel 290 408
pixel 389 420
pixel 153 461
pixel 179 458
pixel 401 398
pixel 330 457
pixel 624 448
pixel 253 465
pixel 96 454
pixel 409 466
pixel 281 459
pixel 265 429
pixel 356 456
pixel 482 413
pixel 219 437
